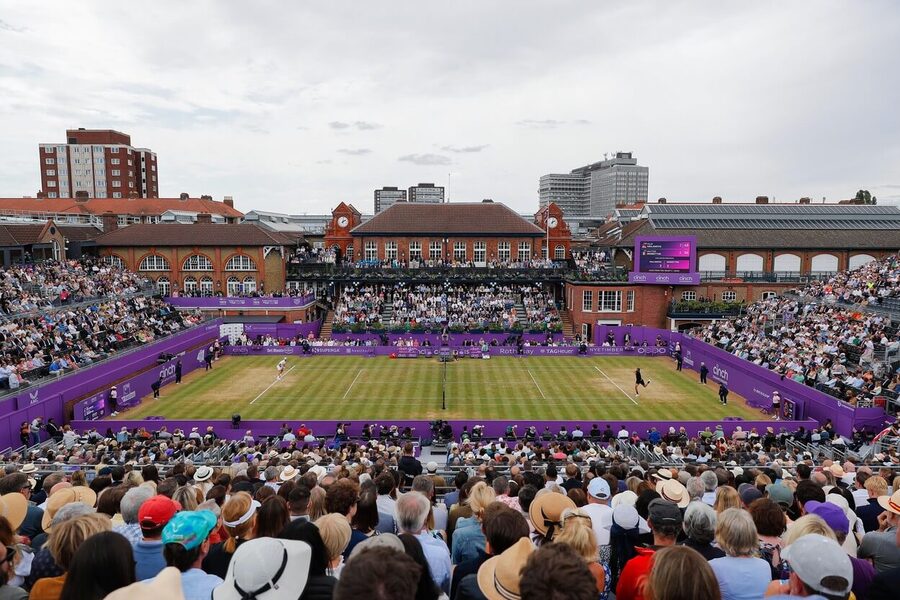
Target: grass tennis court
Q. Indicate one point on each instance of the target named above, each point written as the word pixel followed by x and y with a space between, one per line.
pixel 381 389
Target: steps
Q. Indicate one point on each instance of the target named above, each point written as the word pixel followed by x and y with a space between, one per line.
pixel 325 331
pixel 567 326
pixel 520 312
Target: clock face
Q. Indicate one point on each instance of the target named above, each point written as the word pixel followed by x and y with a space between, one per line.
pixel 552 222
pixel 342 221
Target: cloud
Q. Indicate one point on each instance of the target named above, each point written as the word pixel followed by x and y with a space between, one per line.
pixel 359 125
pixel 339 125
pixel 549 123
pixel 366 125
pixel 7 26
pixel 581 122
pixel 426 159
pixel 464 149
pixel 355 151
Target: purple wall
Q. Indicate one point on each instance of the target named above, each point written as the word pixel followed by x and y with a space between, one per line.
pixel 456 339
pixel 282 330
pixel 430 351
pixel 238 303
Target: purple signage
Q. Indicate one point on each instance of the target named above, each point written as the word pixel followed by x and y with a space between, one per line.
pixel 665 261
pixel 241 303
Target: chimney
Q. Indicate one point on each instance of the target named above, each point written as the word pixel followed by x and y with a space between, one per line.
pixel 110 222
pixel 184 196
pixel 81 196
pixel 204 218
pixel 805 200
pixel 228 201
pixel 717 200
pixel 762 199
pixel 206 197
pixel 41 195
pixel 661 201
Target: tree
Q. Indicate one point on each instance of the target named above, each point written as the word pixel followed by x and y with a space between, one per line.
pixel 864 197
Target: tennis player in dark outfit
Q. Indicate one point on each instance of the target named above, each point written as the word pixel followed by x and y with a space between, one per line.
pixel 639 381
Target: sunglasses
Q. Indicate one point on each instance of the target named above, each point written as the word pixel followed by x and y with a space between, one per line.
pixel 10 555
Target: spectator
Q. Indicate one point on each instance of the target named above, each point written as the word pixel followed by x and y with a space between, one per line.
pixel 665 522
pixel 710 483
pixel 409 465
pixel 503 527
pixel 818 566
pixel 554 572
pixel 700 529
pixel 876 486
pixel 598 509
pixel 379 574
pixel 741 575
pixel 726 497
pixel 546 514
pixel 101 565
pixel 298 501
pixel 185 543
pixel 267 569
pixel 341 498
pixel 679 573
pixel 320 585
pixel 239 519
pixel 130 506
pixel 7 573
pixel 20 484
pixel 468 537
pixel 880 546
pixel 578 533
pixel 412 511
pixel 271 517
pixel 153 515
pixel 336 533
pixel 836 520
pixel 67 537
pixel 770 522
pixel 427 589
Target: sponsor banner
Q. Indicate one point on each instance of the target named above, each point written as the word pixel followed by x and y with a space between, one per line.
pixel 215 302
pixel 664 278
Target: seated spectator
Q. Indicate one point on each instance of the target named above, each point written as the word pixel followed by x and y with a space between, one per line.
pixel 379 574
pixel 880 545
pixel 185 541
pixel 468 538
pixel 578 533
pixel 319 585
pixel 679 573
pixel 664 519
pixel 555 571
pixel 411 513
pixel 336 533
pixel 740 573
pixel 101 565
pixel 67 537
pixel 700 528
pixel 153 515
pixel 267 569
pixel 819 568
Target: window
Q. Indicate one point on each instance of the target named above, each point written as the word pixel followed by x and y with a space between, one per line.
pixel 415 251
pixel 503 251
pixel 768 295
pixel 163 287
pixel 729 296
pixel 131 184
pixel 114 161
pixel 390 250
pixel 434 251
pixel 197 262
pixel 206 286
pixel 113 150
pixel 52 195
pixel 48 150
pixel 480 252
pixel 51 184
pixel 49 161
pixel 459 251
pixel 524 251
pixel 117 183
pixel 249 285
pixel 153 219
pixel 117 194
pixel 51 172
pixel 154 262
pixel 190 285
pixel 559 253
pixel 113 261
pixel 116 172
pixel 587 300
pixel 233 287
pixel 629 300
pixel 371 251
pixel 610 301
pixel 688 296
pixel 240 262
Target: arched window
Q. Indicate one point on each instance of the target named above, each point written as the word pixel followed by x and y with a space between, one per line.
pixel 787 263
pixel 234 287
pixel 113 261
pixel 163 286
pixel 206 286
pixel 749 262
pixel 155 262
pixel 712 262
pixel 240 262
pixel 858 260
pixel 824 263
pixel 197 262
pixel 249 285
pixel 190 285
pixel 559 253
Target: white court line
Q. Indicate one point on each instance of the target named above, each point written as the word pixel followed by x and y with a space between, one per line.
pixel 617 385
pixel 352 382
pixel 271 384
pixel 536 383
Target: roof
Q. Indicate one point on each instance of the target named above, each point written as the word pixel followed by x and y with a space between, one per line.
pixel 457 218
pixel 118 206
pixel 194 234
pixel 771 238
pixel 773 216
pixel 20 235
pixel 79 233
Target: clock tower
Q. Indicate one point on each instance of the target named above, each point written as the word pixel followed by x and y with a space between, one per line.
pixel 556 232
pixel 337 232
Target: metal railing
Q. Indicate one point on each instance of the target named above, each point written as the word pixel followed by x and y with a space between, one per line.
pixel 767 276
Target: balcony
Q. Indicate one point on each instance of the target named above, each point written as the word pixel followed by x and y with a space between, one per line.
pixel 424 274
pixel 766 276
pixel 698 309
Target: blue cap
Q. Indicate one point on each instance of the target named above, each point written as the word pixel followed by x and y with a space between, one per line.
pixel 189 528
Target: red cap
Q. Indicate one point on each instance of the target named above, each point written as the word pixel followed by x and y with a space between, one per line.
pixel 157 511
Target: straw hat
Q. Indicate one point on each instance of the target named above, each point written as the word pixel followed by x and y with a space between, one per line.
pixel 626 498
pixel 14 507
pixel 203 473
pixel 288 473
pixel 165 585
pixel 672 491
pixel 78 493
pixel 546 512
pixel 499 576
pixel 891 503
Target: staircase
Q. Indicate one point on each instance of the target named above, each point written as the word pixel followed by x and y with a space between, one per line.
pixel 325 331
pixel 520 312
pixel 387 313
pixel 568 327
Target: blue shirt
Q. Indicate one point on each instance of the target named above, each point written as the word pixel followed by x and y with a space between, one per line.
pixel 198 585
pixel 468 539
pixel 438 558
pixel 148 559
pixel 742 578
pixel 451 499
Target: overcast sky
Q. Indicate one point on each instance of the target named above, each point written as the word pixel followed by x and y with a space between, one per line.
pixel 296 108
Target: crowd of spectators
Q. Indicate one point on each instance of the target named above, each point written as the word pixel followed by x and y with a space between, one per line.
pixel 813 339
pixel 290 518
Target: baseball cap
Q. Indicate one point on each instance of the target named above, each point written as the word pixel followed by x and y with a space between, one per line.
pixel 157 511
pixel 599 488
pixel 749 493
pixel 663 512
pixel 780 494
pixel 821 564
pixel 832 514
pixel 266 569
pixel 189 528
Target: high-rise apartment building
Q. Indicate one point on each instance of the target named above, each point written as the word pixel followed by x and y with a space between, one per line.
pixel 594 191
pixel 387 196
pixel 426 192
pixel 97 163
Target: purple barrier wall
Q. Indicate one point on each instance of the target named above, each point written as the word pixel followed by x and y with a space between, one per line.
pixel 282 330
pixel 423 428
pixel 239 303
pixel 405 351
pixel 48 400
pixel 456 339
